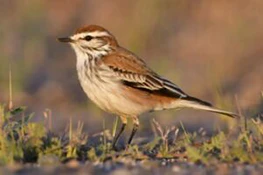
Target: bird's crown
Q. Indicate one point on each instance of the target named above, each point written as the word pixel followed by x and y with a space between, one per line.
pixel 90 28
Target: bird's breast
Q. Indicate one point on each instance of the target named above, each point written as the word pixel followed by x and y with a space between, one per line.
pixel 106 91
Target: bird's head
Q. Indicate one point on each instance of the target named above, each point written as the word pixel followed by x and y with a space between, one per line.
pixel 91 39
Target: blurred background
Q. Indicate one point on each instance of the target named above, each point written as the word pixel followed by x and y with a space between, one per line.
pixel 212 49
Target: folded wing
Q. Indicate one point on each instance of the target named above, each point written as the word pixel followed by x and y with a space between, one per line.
pixel 134 73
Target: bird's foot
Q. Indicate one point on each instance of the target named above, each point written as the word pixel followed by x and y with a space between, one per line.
pixel 118 148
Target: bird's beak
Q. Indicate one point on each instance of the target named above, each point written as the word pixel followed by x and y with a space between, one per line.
pixel 65 40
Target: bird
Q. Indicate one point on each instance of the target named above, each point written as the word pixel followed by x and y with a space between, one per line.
pixel 121 83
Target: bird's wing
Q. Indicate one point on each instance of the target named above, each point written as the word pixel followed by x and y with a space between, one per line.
pixel 133 72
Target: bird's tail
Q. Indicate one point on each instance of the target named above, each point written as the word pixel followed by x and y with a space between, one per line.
pixel 195 103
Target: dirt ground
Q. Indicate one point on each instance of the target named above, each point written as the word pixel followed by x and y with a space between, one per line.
pixel 127 167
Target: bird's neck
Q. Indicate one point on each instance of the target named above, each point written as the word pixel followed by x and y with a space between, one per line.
pixel 89 56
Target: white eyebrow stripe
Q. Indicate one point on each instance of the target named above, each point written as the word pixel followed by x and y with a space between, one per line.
pixel 93 34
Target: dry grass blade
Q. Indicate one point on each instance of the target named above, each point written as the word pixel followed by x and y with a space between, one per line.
pixel 10 104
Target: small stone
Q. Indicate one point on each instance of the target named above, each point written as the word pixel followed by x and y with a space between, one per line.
pixel 73 164
pixel 176 169
pixel 121 171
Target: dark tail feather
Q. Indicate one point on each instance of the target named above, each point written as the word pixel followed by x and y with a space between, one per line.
pixel 196 103
pixel 190 98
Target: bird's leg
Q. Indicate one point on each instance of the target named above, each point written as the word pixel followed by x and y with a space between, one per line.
pixel 134 129
pixel 116 137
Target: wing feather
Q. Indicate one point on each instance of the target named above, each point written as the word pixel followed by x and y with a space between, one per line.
pixel 132 71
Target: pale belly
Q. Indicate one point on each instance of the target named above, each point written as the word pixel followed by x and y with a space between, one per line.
pixel 110 97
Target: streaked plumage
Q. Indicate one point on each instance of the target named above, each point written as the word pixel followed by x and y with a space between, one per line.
pixel 121 83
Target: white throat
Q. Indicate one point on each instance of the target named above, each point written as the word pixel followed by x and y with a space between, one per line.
pixel 82 55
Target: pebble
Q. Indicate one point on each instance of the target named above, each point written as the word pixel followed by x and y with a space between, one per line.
pixel 176 169
pixel 73 164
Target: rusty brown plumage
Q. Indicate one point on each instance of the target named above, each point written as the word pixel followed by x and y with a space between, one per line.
pixel 90 28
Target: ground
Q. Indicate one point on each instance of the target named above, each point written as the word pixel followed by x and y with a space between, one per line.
pixel 31 148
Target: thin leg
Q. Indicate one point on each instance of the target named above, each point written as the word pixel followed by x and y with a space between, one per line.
pixel 116 138
pixel 134 129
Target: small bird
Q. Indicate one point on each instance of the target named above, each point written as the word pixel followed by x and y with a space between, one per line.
pixel 121 83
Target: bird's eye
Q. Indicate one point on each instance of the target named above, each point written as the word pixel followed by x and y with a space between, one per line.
pixel 88 38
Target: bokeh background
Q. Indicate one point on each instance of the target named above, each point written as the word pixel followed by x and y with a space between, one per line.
pixel 211 49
